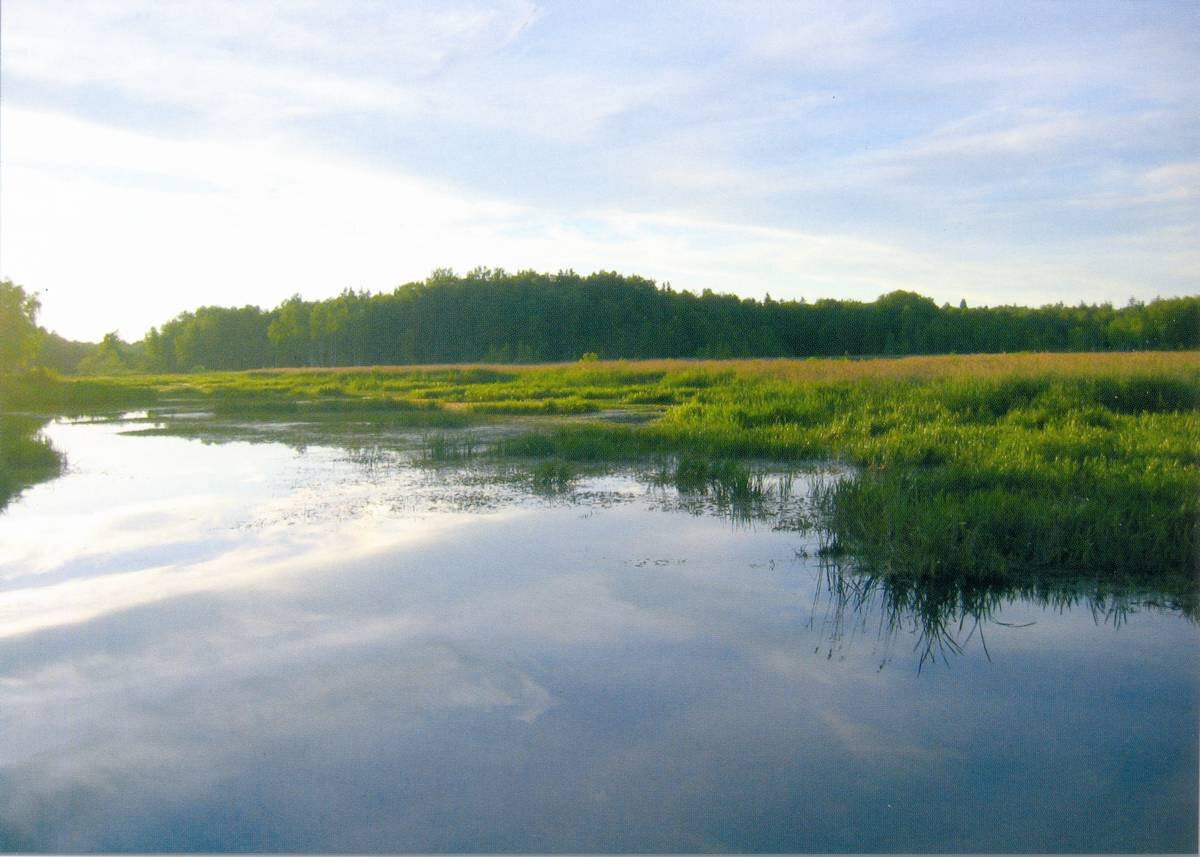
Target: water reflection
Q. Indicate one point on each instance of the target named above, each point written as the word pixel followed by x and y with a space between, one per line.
pixel 943 616
pixel 319 647
pixel 25 457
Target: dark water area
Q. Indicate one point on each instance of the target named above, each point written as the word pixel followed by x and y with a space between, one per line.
pixel 295 639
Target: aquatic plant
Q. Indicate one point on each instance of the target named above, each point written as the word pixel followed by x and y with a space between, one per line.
pixel 726 481
pixel 552 476
pixel 441 448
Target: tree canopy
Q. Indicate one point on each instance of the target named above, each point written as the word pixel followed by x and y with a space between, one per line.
pixel 19 333
pixel 494 316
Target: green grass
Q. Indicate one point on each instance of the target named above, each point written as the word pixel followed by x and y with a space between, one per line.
pixel 984 476
pixel 984 465
pixel 553 477
pixel 726 481
pixel 45 392
pixel 442 449
pixel 564 405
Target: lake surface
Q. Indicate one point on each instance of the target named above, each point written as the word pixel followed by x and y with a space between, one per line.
pixel 294 639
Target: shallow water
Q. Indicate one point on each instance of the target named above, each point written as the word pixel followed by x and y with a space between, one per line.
pixel 306 643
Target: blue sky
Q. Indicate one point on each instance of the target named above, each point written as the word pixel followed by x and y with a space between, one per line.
pixel 157 156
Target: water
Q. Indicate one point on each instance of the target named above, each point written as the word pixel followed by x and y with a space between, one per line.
pixel 313 645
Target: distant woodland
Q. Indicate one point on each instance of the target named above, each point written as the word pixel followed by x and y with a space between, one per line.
pixel 494 316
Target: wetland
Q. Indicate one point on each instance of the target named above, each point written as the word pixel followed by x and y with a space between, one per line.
pixel 681 608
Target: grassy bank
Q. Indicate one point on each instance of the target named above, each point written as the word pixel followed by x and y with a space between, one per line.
pixel 44 392
pixel 985 465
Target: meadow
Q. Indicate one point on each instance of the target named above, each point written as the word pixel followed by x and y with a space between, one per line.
pixel 987 466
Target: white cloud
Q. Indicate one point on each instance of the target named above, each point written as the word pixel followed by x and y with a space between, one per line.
pixel 246 64
pixel 255 223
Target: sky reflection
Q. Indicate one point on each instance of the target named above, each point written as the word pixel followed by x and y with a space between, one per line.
pixel 246 647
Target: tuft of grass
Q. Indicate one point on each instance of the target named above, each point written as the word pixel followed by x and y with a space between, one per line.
pixel 553 477
pixel 727 481
pixel 441 448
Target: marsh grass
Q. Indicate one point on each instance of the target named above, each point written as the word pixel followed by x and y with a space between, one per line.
pixel 45 392
pixel 978 465
pixel 553 477
pixel 231 400
pixel 727 481
pixel 443 449
pixel 566 405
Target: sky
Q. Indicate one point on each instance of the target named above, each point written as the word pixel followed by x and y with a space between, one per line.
pixel 158 156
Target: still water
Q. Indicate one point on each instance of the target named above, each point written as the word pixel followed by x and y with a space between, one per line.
pixel 315 645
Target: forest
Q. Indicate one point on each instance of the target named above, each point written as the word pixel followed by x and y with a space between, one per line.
pixel 528 317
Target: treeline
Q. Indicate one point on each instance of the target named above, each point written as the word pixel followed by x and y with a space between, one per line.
pixel 494 316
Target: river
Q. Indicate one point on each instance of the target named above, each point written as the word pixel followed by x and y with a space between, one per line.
pixel 295 638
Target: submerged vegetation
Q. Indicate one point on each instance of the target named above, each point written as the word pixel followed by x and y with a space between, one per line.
pixel 985 465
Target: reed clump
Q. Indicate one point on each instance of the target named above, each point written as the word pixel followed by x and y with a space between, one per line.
pixel 553 477
pixel 444 449
pixel 727 481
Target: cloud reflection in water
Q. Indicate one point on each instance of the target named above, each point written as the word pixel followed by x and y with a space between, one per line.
pixel 305 657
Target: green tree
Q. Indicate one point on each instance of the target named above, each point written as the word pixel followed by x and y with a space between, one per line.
pixel 288 333
pixel 110 357
pixel 490 314
pixel 19 333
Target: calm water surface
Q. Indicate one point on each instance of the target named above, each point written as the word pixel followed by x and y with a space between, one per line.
pixel 316 646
